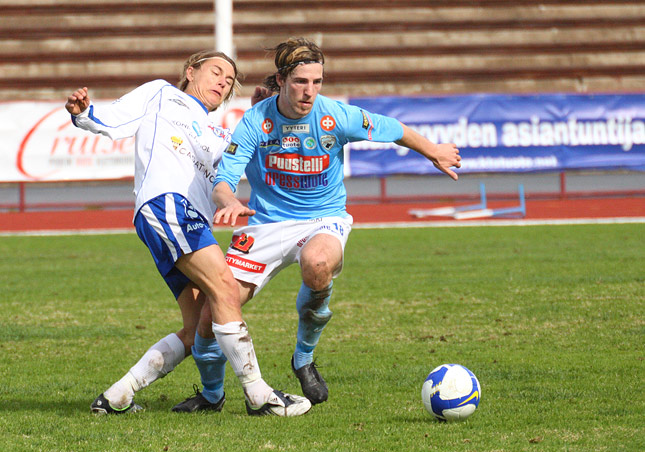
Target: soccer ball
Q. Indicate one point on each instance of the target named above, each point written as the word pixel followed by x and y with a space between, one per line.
pixel 451 392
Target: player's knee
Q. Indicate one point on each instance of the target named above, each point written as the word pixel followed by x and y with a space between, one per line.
pixel 227 294
pixel 317 274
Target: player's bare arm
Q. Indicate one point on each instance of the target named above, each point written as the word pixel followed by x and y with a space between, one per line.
pixel 78 101
pixel 443 156
pixel 228 206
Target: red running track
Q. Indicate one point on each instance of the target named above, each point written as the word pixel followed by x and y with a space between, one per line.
pixel 603 208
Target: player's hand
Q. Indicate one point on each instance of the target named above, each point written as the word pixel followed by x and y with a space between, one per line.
pixel 259 94
pixel 228 215
pixel 78 101
pixel 445 157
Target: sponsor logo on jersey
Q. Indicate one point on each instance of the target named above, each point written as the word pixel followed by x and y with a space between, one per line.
pixel 179 102
pixel 327 141
pixel 290 142
pixel 181 124
pixel 197 129
pixel 245 264
pixel 189 130
pixel 296 163
pixel 295 128
pixel 270 143
pixel 295 182
pixel 267 126
pixel 218 131
pixel 367 124
pixel 231 149
pixel 176 142
pixel 310 143
pixel 327 123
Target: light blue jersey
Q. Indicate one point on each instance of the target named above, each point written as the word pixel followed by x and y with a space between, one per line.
pixel 295 166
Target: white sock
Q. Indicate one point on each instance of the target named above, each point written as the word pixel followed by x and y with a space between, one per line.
pixel 236 343
pixel 156 363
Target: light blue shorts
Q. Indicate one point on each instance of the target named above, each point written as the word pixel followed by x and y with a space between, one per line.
pixel 170 227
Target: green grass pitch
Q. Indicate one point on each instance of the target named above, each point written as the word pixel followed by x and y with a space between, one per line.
pixel 551 319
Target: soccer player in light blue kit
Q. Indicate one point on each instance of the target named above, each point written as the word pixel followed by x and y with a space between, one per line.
pixel 178 148
pixel 291 147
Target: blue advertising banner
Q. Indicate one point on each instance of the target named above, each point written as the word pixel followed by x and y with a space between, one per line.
pixel 511 133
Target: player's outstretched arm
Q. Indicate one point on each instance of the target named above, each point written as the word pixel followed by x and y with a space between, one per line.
pixel 78 101
pixel 443 156
pixel 228 206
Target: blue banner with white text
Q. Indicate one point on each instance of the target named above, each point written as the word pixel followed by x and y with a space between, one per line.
pixel 511 133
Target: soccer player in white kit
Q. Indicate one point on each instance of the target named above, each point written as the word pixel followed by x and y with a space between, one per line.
pixel 178 148
pixel 291 148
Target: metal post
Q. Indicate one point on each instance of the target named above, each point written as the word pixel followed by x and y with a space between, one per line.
pixel 21 197
pixel 383 189
pixel 224 27
pixel 563 185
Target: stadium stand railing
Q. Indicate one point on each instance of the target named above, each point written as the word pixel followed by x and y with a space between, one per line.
pixel 374 47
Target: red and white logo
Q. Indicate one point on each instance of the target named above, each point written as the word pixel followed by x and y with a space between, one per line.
pixel 298 164
pixel 267 126
pixel 245 264
pixel 327 123
pixel 290 142
pixel 53 149
pixel 242 242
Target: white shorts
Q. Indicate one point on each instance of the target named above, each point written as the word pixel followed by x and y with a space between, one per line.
pixel 259 252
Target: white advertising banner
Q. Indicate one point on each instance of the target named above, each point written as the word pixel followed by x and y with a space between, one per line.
pixel 41 144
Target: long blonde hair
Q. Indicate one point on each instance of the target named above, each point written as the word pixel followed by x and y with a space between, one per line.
pixel 290 54
pixel 195 61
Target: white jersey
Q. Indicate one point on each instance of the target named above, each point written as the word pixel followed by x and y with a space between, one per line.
pixel 178 145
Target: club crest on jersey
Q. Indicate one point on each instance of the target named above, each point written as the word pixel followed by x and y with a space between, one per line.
pixel 295 128
pixel 267 126
pixel 327 123
pixel 290 142
pixel 310 143
pixel 327 141
pixel 231 149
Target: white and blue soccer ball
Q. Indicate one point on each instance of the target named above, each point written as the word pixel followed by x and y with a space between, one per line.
pixel 451 392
